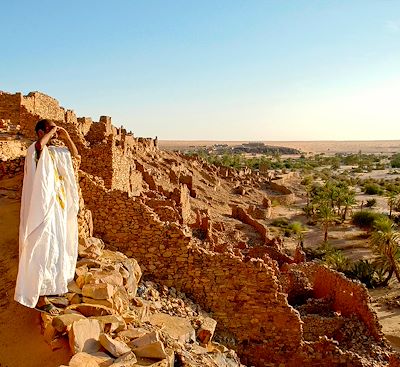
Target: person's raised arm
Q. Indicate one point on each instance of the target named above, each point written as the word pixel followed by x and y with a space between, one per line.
pixel 70 144
pixel 41 142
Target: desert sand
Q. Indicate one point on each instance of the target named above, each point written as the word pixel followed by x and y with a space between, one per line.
pixel 326 146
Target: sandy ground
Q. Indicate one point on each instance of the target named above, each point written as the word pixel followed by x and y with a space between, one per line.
pixel 329 147
pixel 385 303
pixel 21 343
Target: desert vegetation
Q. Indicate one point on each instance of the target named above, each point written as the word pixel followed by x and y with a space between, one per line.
pixel 341 194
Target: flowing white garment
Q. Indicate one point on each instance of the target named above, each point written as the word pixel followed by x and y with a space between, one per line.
pixel 48 232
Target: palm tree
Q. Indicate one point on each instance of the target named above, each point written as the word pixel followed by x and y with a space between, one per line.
pixel 326 216
pixel 348 201
pixel 385 242
pixel 392 201
pixel 298 230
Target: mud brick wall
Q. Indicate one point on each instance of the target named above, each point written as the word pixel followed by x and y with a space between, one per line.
pixel 97 133
pixel 286 195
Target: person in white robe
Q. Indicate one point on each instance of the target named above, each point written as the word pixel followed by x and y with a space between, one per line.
pixel 48 232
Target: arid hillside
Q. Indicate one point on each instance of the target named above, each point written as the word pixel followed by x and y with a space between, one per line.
pixel 202 239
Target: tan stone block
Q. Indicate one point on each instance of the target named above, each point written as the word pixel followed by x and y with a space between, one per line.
pixel 115 347
pixel 109 303
pixel 176 327
pixel 112 277
pixel 133 333
pixel 84 336
pixel 148 346
pixel 98 291
pixel 126 360
pixel 61 322
pixel 73 287
pixel 206 330
pixel 111 323
pixel 98 359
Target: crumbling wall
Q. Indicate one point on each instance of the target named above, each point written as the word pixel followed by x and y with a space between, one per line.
pixel 10 107
pixel 244 296
pixel 286 195
pixel 84 124
pixel 36 106
pixel 240 214
pixel 348 297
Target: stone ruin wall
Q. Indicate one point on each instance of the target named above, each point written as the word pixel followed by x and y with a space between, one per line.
pixel 349 297
pixel 240 303
pixel 10 107
pixel 244 297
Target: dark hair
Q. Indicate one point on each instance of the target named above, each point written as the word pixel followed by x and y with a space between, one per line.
pixel 41 125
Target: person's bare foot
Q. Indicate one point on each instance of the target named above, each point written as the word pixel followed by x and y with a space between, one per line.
pixel 44 305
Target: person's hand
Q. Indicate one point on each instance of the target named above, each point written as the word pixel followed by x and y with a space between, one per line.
pixel 63 134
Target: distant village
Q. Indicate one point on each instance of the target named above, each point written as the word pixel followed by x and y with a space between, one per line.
pixel 249 148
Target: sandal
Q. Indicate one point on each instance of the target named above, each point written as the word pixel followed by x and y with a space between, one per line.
pixel 48 309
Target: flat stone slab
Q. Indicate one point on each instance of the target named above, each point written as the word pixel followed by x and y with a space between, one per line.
pixel 176 327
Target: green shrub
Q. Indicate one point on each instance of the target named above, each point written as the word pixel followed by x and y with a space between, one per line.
pixel 365 218
pixel 336 260
pixel 395 161
pixel 364 271
pixel 373 189
pixel 280 222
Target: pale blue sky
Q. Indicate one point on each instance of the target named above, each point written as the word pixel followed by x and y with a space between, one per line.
pixel 214 70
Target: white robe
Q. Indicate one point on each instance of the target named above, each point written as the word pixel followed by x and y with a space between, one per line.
pixel 48 232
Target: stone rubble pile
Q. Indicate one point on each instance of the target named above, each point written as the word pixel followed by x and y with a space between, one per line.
pixel 108 318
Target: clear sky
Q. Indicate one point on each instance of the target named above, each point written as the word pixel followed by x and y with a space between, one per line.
pixel 213 69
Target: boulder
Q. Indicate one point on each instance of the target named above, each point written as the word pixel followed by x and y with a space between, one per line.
pixel 111 323
pixel 126 360
pixel 121 300
pixel 98 291
pixel 178 328
pixel 115 347
pixel 62 322
pixel 84 336
pixel 132 333
pixel 98 359
pixel 90 310
pixel 135 273
pixel 112 277
pixel 206 330
pixel 73 287
pixel 109 303
pixel 148 346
